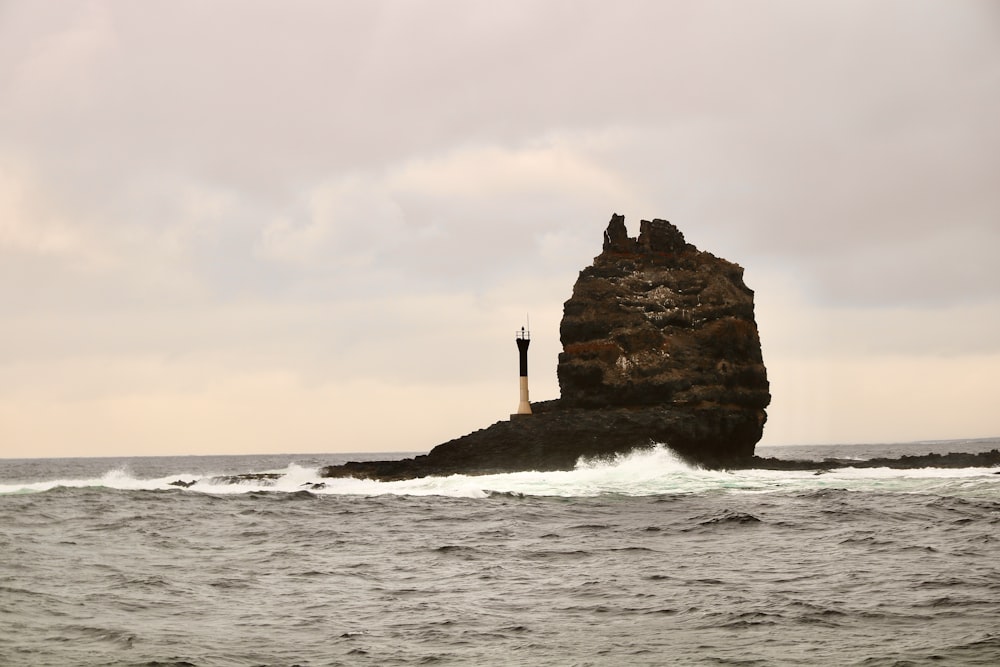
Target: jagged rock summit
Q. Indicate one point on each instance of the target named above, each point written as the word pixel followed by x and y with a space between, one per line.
pixel 656 322
pixel 659 346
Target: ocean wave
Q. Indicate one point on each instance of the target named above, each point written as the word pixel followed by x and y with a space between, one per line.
pixel 657 471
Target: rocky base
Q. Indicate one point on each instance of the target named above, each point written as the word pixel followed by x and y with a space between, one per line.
pixel 562 457
pixel 555 438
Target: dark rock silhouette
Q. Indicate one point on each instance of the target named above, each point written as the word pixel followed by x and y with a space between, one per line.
pixel 659 346
pixel 656 322
pixel 988 459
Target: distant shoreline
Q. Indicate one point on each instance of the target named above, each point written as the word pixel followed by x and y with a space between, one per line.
pixel 988 459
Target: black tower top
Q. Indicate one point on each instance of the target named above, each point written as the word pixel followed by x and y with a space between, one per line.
pixel 523 339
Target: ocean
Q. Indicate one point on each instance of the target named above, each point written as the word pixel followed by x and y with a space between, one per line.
pixel 641 560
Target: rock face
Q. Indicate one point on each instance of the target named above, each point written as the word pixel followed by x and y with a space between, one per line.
pixel 659 346
pixel 656 322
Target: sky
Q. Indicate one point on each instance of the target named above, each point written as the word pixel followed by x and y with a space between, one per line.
pixel 262 227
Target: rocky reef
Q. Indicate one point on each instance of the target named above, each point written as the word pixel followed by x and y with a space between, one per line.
pixel 660 345
pixel 990 459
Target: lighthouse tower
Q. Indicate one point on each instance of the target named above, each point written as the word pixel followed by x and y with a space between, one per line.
pixel 523 338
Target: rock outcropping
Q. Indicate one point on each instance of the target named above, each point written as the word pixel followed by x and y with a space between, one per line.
pixel 659 346
pixel 656 322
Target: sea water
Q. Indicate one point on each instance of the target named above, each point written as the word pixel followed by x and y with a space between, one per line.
pixel 638 560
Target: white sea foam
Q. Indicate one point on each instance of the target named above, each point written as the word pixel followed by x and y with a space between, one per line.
pixel 650 472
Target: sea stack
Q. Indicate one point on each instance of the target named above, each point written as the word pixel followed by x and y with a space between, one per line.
pixel 523 339
pixel 660 346
pixel 656 322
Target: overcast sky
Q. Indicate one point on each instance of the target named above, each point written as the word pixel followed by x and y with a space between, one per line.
pixel 248 227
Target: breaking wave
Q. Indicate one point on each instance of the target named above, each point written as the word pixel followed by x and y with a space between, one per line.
pixel 650 472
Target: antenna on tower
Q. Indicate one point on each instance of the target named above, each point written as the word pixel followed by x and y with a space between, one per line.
pixel 525 332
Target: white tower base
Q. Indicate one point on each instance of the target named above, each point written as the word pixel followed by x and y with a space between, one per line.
pixel 524 407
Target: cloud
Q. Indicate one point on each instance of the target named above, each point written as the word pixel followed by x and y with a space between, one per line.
pixel 792 326
pixel 891 399
pixel 474 214
pixel 554 168
pixel 248 413
pixel 59 54
pixel 343 222
pixel 30 227
pixel 193 196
